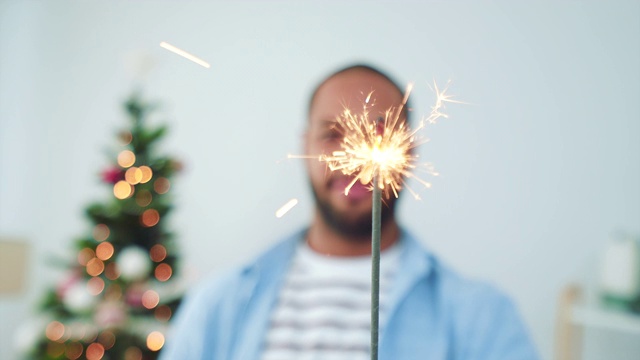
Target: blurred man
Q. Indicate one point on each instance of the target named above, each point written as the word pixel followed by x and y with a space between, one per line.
pixel 309 296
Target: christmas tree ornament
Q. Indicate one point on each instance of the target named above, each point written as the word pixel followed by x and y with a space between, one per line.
pixel 133 263
pixel 77 298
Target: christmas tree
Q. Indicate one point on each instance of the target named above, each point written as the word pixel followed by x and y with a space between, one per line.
pixel 121 289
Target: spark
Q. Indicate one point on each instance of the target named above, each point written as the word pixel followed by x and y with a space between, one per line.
pixel 383 146
pixel 184 54
pixel 286 207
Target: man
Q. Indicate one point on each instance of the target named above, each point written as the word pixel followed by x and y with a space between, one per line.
pixel 308 297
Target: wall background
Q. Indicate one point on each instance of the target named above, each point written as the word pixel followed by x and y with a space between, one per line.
pixel 536 174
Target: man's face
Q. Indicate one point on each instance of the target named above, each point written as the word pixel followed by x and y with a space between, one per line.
pixel 351 214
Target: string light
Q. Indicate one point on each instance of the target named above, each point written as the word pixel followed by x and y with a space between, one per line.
pixel 95 285
pixel 157 253
pixel 107 339
pixel 147 174
pixel 104 251
pixel 163 313
pixel 95 351
pixel 155 341
pixel 143 198
pixel 133 353
pixel 95 267
pixel 122 190
pixel 101 232
pixel 55 349
pixel 74 350
pixel 54 331
pixel 133 175
pixel 150 299
pixel 126 158
pixel 161 185
pixel 163 272
pixel 85 255
pixel 111 271
pixel 150 217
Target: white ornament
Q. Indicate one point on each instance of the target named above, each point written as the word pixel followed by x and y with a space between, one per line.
pixel 77 298
pixel 133 263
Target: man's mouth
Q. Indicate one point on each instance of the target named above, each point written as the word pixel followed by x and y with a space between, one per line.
pixel 357 192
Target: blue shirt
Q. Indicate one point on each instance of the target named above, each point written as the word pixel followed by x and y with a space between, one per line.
pixel 433 313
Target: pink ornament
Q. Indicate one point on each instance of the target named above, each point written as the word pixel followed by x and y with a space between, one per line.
pixel 112 175
pixel 110 314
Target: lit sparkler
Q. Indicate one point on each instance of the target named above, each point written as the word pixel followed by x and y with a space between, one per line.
pixel 383 146
pixel 379 153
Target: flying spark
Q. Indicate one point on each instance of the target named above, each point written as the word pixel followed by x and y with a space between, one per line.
pixel 286 207
pixel 184 54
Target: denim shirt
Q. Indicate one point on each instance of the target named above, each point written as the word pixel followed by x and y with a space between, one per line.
pixel 433 313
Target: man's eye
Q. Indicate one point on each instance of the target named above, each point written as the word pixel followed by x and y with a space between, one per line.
pixel 331 136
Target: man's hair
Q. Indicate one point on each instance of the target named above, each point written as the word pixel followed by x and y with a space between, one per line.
pixel 367 68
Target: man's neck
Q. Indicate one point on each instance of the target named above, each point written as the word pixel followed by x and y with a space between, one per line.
pixel 324 239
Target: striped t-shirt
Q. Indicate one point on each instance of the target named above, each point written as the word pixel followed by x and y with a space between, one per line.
pixel 323 309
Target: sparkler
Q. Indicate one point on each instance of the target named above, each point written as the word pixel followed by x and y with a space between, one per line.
pixel 383 147
pixel 379 153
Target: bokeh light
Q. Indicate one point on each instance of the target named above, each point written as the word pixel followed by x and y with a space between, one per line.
pixel 133 353
pixel 104 251
pixel 133 175
pixel 143 198
pixel 95 286
pixel 125 138
pixel 150 299
pixel 85 255
pixel 161 185
pixel 54 331
pixel 163 272
pixel 74 350
pixel 126 158
pixel 101 232
pixel 155 341
pixel 113 292
pixel 95 267
pixel 150 217
pixel 122 190
pixel 147 174
pixel 111 271
pixel 95 351
pixel 163 313
pixel 158 253
pixel 107 339
pixel 55 350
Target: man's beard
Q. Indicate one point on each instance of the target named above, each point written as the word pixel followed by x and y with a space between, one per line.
pixel 357 229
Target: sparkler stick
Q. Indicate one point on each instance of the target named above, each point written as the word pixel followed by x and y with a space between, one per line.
pixel 376 224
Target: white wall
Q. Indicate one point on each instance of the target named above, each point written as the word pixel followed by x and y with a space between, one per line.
pixel 536 174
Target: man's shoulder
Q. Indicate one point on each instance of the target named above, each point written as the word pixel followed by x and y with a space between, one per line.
pixel 267 263
pixel 455 288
